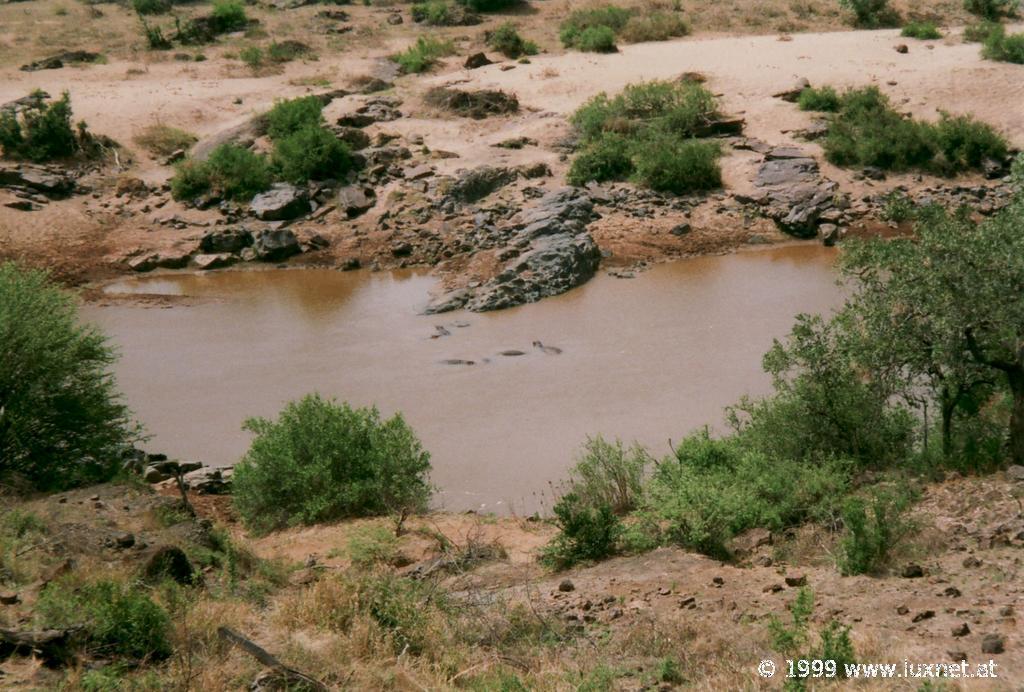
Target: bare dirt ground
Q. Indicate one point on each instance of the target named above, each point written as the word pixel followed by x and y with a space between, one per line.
pixel 89 237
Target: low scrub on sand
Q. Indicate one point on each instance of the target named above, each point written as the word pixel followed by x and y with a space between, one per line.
pixel 867 131
pixel 443 13
pixel 992 10
pixel 230 172
pixel 597 29
pixel 507 41
pixel 164 140
pixel 424 54
pixel 925 31
pixel 322 461
pixel 649 133
pixel 303 150
pixel 472 104
pixel 1003 47
pixel 823 99
pixel 871 14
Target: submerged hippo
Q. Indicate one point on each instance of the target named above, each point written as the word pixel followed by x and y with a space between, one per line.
pixel 512 352
pixel 550 350
pixel 457 361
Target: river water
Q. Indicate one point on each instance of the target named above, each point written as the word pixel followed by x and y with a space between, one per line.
pixel 646 359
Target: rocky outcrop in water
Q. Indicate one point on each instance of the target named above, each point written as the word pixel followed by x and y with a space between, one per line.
pixel 548 252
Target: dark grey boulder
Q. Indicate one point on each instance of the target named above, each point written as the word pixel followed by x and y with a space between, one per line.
pixel 282 202
pixel 276 245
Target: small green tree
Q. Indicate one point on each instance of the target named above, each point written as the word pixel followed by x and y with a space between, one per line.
pixel 321 461
pixel 61 420
pixel 871 14
pixel 586 533
pixel 42 132
pixel 992 10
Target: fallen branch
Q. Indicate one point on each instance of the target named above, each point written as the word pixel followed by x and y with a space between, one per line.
pixel 250 647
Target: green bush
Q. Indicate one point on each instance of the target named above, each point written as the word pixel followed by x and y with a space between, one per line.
pixel 311 153
pixel 1004 48
pixel 872 529
pixel 597 39
pixel 443 13
pixel 647 132
pixel 507 41
pixel 118 620
pixel 228 16
pixel 61 421
pixel 654 26
pixel 231 172
pixel 867 131
pixel 155 38
pixel 586 533
pixel 253 56
pixel 42 132
pixel 966 143
pixel 898 207
pixel 823 99
pixel 143 7
pixel 666 163
pixel 164 140
pixel 320 461
pixel 286 51
pixel 980 33
pixel 608 474
pixel 373 545
pixel 926 31
pixel 609 17
pixel 287 117
pixel 793 640
pixel 423 54
pixel 823 407
pixel 992 10
pixel 712 490
pixel 607 158
pixel 871 14
pixel 489 5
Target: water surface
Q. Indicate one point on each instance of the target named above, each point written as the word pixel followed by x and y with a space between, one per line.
pixel 646 359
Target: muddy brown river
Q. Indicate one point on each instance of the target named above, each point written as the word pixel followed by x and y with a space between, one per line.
pixel 647 359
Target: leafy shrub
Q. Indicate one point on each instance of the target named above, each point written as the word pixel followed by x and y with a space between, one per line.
pixel 576 24
pixel 164 140
pixel 227 16
pixel 143 7
pixel 681 108
pixel 823 99
pixel 654 26
pixel 373 545
pixel 992 10
pixel 646 132
pixel 712 490
pixel 607 158
pixel 489 5
pixel 669 164
pixel 507 41
pixel 423 54
pixel 608 474
pixel 231 172
pixel 311 153
pixel 597 39
pixel 1004 48
pixel 793 640
pixel 253 57
pixel 823 407
pixel 867 131
pixel 287 117
pixel 155 38
pixel 320 461
pixel 980 33
pixel 61 422
pixel 870 14
pixel 926 31
pixel 965 143
pixel 898 207
pixel 586 533
pixel 443 13
pixel 118 620
pixel 42 132
pixel 872 529
pixel 286 51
